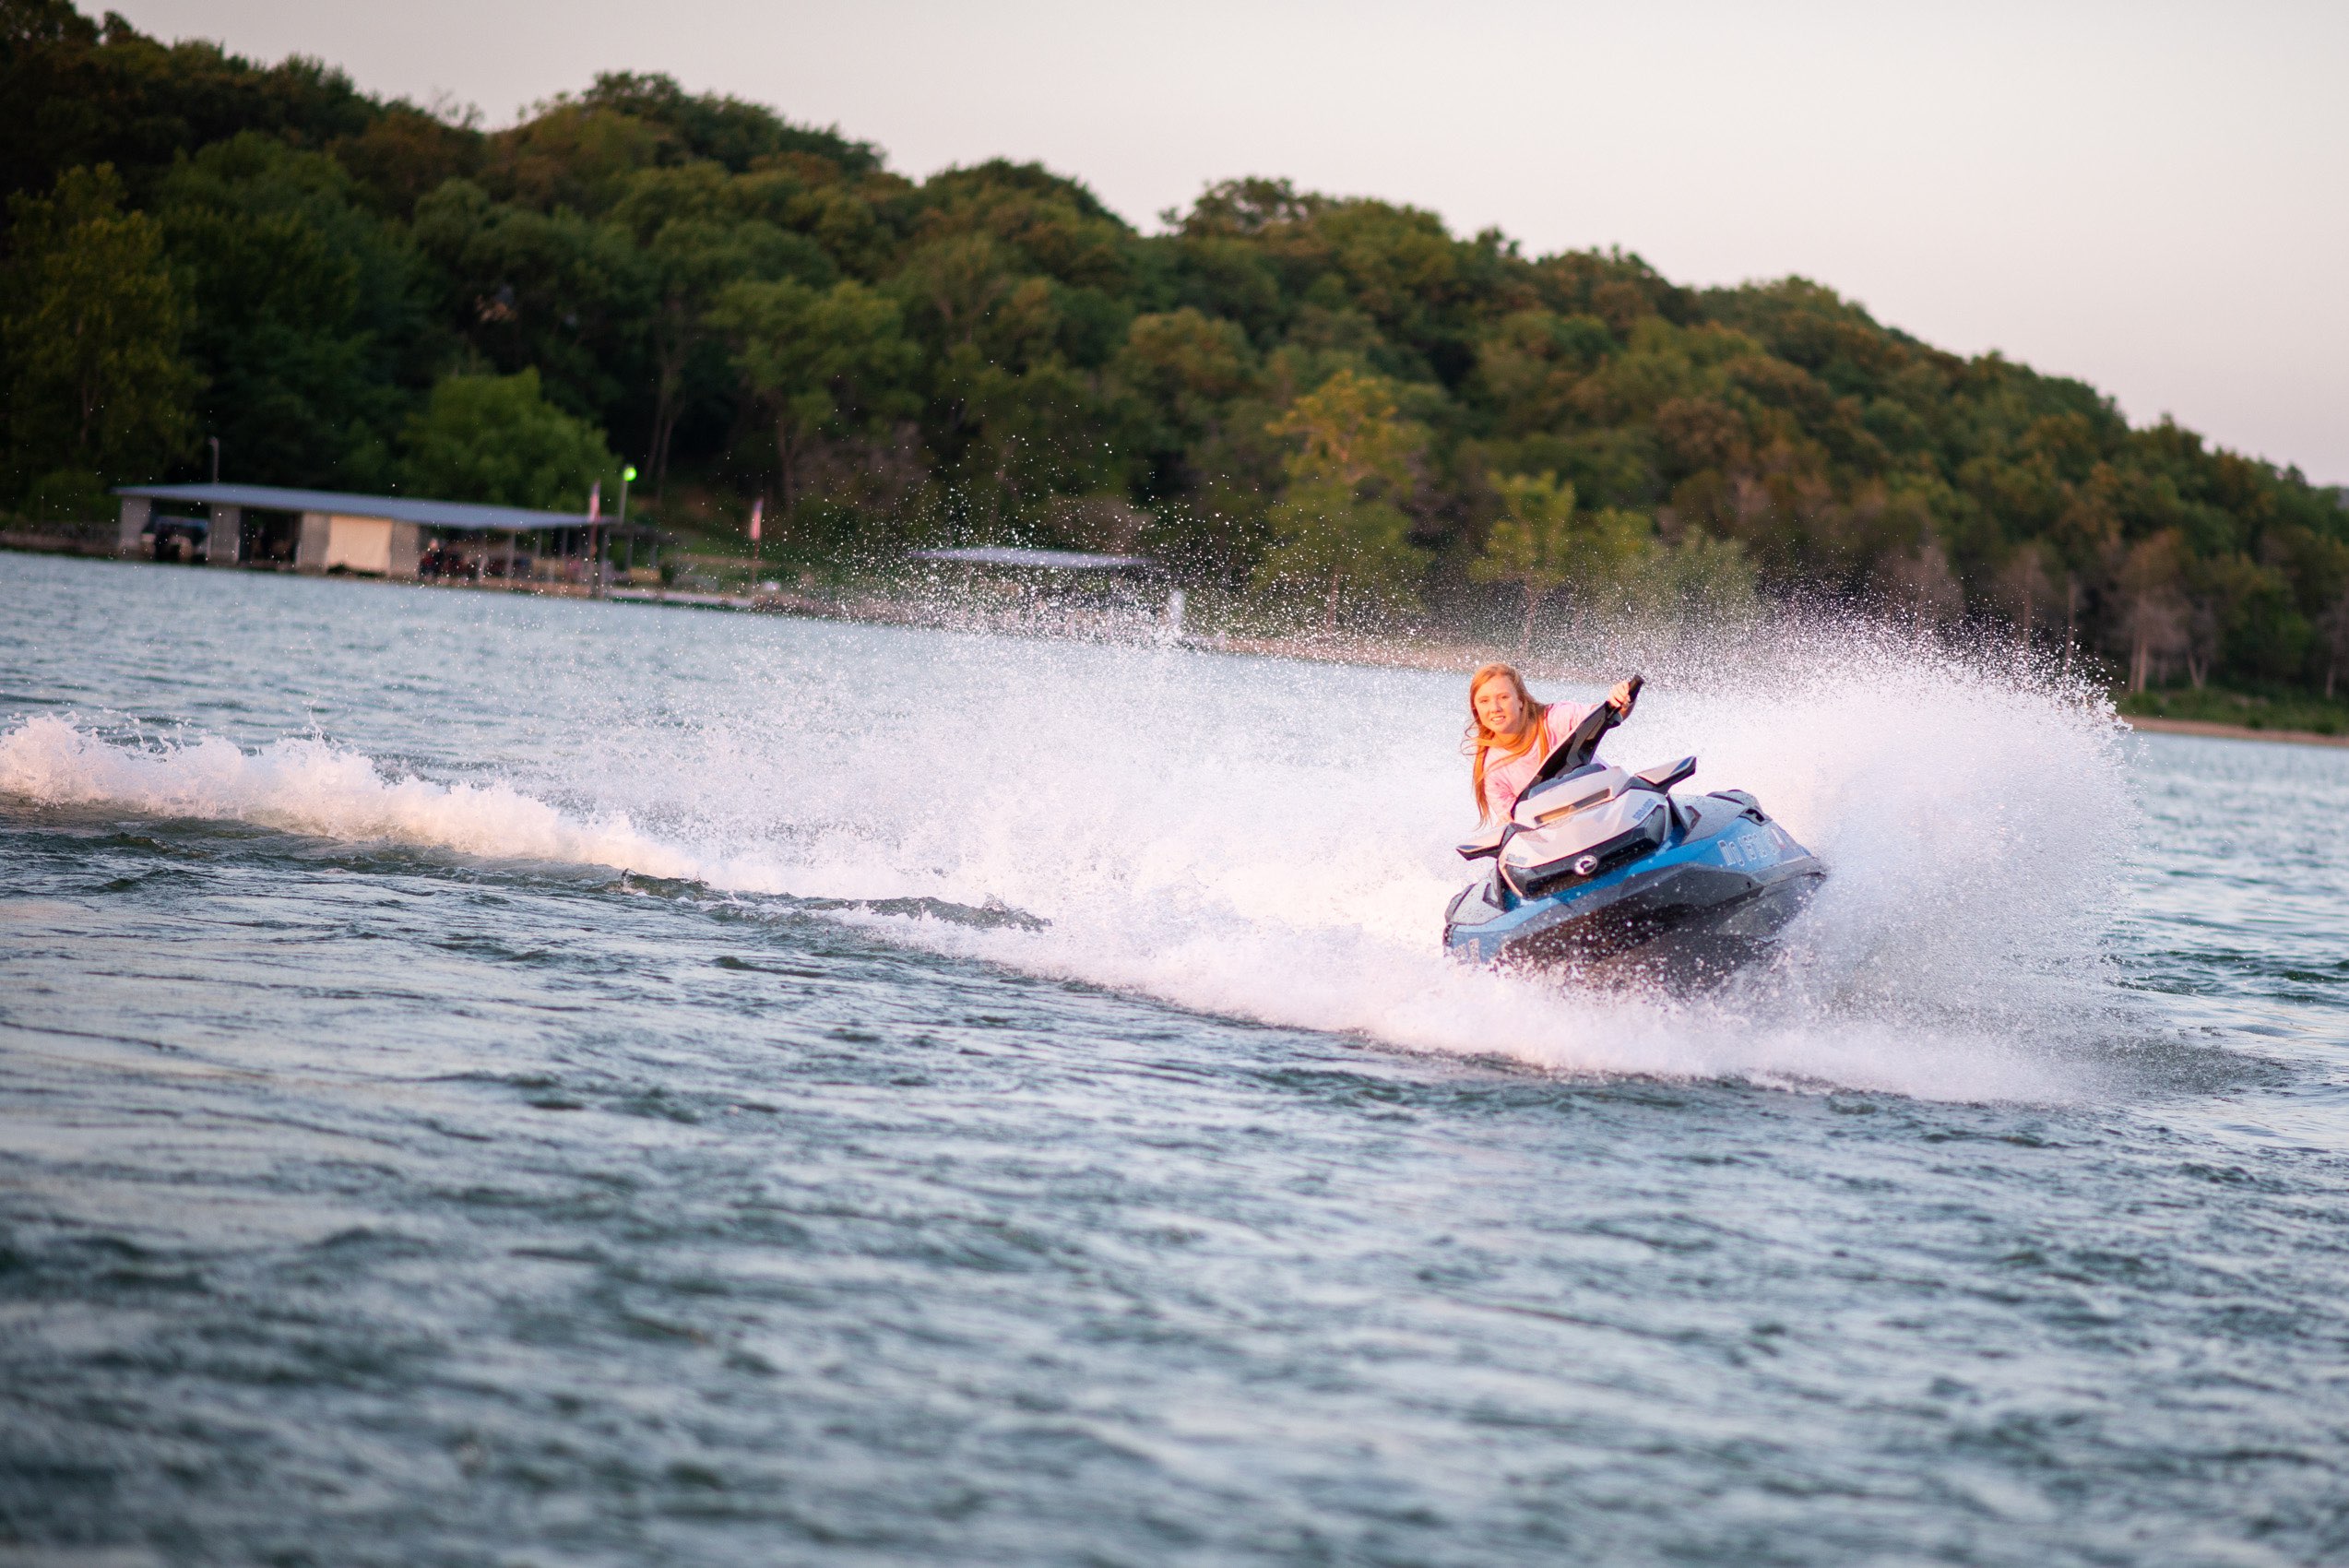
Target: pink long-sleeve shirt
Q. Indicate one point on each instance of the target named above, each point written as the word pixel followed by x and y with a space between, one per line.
pixel 1506 778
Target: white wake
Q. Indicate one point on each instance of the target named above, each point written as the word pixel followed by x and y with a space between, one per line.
pixel 1270 841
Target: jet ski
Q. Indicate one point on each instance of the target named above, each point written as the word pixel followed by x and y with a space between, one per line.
pixel 1605 872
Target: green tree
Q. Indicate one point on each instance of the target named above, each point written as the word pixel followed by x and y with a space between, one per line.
pixel 496 440
pixel 1541 543
pixel 1700 580
pixel 1528 543
pixel 695 241
pixel 555 292
pixel 1193 418
pixel 406 153
pixel 68 495
pixel 2333 639
pixel 303 301
pixel 2155 615
pixel 77 92
pixel 92 330
pixel 1339 525
pixel 723 130
pixel 812 358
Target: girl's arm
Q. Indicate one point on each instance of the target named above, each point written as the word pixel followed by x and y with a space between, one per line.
pixel 1560 720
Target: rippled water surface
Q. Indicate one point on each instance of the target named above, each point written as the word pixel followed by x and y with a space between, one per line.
pixel 495 1081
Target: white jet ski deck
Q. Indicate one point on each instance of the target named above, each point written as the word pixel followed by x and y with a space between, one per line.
pixel 1598 869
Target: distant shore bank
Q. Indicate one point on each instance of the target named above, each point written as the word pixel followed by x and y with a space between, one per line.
pixel 877 609
pixel 2232 731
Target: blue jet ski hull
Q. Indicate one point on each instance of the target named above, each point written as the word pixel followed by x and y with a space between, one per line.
pixel 1699 904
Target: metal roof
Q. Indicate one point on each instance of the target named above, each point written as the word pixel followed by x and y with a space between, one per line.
pixel 461 516
pixel 1045 560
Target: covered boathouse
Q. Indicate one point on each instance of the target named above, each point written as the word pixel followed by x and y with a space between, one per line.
pixel 389 536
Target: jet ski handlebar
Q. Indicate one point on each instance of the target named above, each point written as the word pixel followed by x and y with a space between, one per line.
pixel 1582 744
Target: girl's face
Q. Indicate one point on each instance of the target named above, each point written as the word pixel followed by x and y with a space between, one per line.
pixel 1498 709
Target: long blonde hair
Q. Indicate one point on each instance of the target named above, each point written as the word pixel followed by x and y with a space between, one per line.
pixel 1478 742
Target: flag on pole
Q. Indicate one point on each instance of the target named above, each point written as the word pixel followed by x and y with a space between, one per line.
pixel 758 506
pixel 595 501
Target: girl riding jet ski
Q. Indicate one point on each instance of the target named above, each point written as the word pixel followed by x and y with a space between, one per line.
pixel 1594 868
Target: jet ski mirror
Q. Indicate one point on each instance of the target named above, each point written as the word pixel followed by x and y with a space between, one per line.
pixel 1582 744
pixel 1665 778
pixel 1488 843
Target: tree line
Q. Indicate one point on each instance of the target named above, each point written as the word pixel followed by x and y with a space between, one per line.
pixel 1329 404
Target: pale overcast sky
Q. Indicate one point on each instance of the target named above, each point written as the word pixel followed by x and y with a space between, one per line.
pixel 2152 197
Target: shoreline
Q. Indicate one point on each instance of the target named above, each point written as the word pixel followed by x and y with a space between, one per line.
pixel 1453 657
pixel 1459 657
pixel 2210 731
pixel 873 609
pixel 877 610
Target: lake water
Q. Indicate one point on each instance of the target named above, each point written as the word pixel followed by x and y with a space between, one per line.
pixel 486 1080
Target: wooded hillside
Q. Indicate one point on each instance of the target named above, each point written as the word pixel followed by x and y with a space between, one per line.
pixel 1327 402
